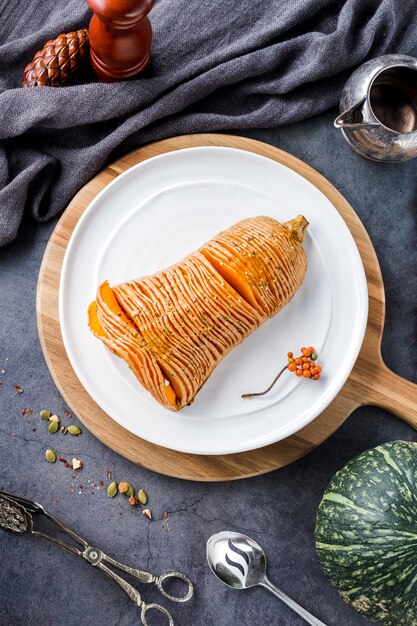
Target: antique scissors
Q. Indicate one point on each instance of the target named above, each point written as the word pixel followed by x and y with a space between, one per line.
pixel 16 517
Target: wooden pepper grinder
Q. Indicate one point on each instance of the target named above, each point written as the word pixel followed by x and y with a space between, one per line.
pixel 120 38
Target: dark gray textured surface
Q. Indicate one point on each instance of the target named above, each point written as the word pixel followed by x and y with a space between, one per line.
pixel 40 584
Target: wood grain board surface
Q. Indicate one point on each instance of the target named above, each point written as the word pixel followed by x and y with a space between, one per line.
pixel 370 381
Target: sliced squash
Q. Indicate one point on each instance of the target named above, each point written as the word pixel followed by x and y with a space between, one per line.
pixel 93 322
pixel 174 327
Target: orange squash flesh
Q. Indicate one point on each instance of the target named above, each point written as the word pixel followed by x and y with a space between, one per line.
pixel 93 322
pixel 235 280
pixel 174 327
pixel 106 292
pixel 171 396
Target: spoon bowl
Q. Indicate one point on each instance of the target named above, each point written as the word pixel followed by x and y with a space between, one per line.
pixel 239 562
pixel 236 559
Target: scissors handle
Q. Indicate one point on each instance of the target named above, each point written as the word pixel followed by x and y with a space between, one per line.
pixel 133 593
pixel 190 591
pixel 156 607
pixel 135 596
pixel 146 577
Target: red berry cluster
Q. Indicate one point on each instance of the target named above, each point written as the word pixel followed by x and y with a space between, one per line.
pixel 305 365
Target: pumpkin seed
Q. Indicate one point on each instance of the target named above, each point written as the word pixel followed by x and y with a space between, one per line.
pixel 112 489
pixel 45 415
pixel 142 496
pixel 74 430
pixel 53 427
pixel 130 491
pixel 50 456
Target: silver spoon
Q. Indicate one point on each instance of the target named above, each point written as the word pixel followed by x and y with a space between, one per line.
pixel 239 562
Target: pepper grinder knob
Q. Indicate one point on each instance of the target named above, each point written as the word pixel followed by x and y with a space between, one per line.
pixel 120 36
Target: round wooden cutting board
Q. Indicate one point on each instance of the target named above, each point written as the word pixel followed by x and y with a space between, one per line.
pixel 370 381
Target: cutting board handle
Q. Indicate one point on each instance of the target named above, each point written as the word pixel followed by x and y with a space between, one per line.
pixel 389 391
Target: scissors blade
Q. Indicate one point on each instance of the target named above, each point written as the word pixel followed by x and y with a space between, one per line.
pixel 30 505
pixel 34 507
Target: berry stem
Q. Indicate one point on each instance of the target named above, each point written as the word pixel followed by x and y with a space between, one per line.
pixel 262 393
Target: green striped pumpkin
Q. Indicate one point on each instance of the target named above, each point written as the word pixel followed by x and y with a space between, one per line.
pixel 366 533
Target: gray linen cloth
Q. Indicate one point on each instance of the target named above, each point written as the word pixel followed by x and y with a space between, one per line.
pixel 216 64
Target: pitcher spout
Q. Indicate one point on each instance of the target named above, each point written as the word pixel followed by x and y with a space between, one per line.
pixel 353 118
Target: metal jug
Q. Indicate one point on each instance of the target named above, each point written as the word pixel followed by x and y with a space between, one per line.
pixel 378 108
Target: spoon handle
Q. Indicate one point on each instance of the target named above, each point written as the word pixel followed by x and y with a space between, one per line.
pixel 310 619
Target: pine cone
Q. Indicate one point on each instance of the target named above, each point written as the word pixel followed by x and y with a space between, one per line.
pixel 58 61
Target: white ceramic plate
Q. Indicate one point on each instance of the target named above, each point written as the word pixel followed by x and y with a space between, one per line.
pixel 164 208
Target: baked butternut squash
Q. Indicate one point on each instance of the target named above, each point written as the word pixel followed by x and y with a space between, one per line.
pixel 174 327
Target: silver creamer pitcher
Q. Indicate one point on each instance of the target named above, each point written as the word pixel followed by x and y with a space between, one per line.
pixel 378 108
